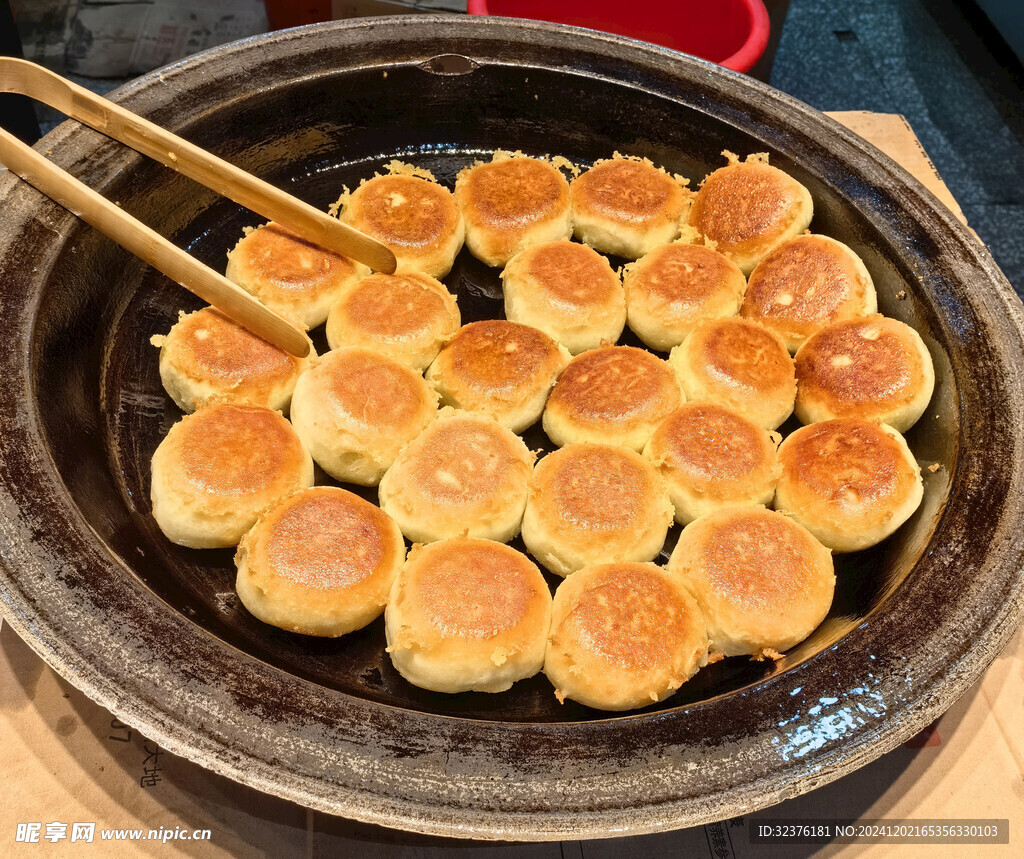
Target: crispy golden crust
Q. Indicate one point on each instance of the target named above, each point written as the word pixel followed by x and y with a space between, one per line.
pixel 407 317
pixel 627 206
pixel 416 218
pixel 370 391
pixel 874 367
pixel 748 208
pixel 321 563
pixel 739 364
pixel 476 590
pixel 498 358
pixel 329 539
pixel 356 409
pixel 806 283
pixel 404 211
pixel 289 274
pixel 675 286
pixel 710 457
pixel 623 636
pixel 595 503
pixel 501 369
pixel 617 394
pixel 762 580
pixel 468 614
pixel 464 475
pixel 627 191
pixel 237 450
pixel 572 276
pixel 511 203
pixel 567 290
pixel 218 468
pixel 850 482
pixel 206 356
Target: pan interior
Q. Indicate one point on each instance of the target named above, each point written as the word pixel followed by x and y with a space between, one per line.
pixel 95 373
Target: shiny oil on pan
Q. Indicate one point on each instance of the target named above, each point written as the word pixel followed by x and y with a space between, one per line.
pixel 153 631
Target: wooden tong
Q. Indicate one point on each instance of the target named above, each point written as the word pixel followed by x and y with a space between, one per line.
pixel 20 76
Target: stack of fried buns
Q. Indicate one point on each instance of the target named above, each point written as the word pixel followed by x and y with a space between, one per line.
pixel 662 338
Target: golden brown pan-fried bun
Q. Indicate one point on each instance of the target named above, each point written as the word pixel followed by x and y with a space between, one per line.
pixel 290 275
pixel 874 368
pixel 320 562
pixel 806 283
pixel 217 469
pixel 623 636
pixel 467 615
pixel 407 317
pixel 627 206
pixel 613 395
pixel 739 364
pixel 511 203
pixel 464 475
pixel 568 291
pixel 411 214
pixel 205 356
pixel 594 504
pixel 711 457
pixel 850 482
pixel 747 208
pixel 500 369
pixel 763 581
pixel 672 288
pixel 355 410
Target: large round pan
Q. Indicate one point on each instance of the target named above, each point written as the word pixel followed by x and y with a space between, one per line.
pixel 154 633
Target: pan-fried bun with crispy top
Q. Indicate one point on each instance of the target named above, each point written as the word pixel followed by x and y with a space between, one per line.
pixel 874 368
pixel 672 288
pixel 627 206
pixel 762 580
pixel 806 283
pixel 218 469
pixel 407 317
pixel 464 475
pixel 595 503
pixel 355 410
pixel 290 275
pixel 412 214
pixel 510 203
pixel 739 364
pixel 500 369
pixel 613 395
pixel 850 482
pixel 205 356
pixel 467 615
pixel 623 636
pixel 747 208
pixel 320 562
pixel 711 457
pixel 567 290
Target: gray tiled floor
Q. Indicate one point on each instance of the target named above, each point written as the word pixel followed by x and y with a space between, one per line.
pixel 924 60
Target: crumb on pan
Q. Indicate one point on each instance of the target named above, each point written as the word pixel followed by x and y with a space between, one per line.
pixel 335 208
pixel 767 653
pixel 401 168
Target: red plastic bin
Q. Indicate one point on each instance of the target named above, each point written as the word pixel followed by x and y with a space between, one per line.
pixel 732 33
